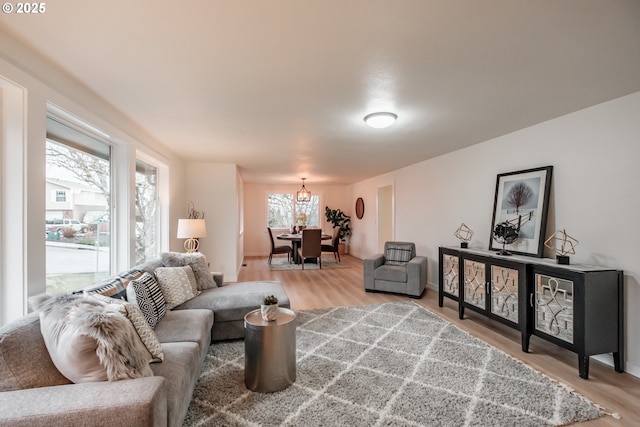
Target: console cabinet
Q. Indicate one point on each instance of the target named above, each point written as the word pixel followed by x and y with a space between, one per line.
pixel 577 307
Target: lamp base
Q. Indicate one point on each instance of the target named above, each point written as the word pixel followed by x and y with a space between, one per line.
pixel 191 245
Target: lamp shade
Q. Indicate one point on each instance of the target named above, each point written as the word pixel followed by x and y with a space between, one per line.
pixel 191 228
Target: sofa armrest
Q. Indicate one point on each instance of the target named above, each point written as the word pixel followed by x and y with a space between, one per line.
pixel 218 277
pixel 370 264
pixel 139 402
pixel 416 275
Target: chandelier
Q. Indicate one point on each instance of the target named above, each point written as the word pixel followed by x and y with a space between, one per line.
pixel 303 195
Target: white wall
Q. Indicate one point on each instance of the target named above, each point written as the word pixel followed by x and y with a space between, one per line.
pixel 37 83
pixel 256 238
pixel 214 189
pixel 596 158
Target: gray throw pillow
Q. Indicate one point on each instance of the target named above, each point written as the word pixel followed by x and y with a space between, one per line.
pixel 198 263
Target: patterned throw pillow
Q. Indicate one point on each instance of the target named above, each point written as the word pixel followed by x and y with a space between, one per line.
pixel 397 254
pixel 135 316
pixel 127 276
pixel 109 287
pixel 178 284
pixel 145 294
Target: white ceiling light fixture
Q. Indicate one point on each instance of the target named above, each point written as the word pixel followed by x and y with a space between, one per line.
pixel 380 120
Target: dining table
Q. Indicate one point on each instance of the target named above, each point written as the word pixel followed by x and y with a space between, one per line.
pixel 296 240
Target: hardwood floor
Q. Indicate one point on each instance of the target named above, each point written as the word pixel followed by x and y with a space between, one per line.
pixel 312 289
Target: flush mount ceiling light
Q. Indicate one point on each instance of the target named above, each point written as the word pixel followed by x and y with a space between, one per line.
pixel 303 195
pixel 380 120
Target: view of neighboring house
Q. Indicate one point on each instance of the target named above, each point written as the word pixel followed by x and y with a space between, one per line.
pixel 72 200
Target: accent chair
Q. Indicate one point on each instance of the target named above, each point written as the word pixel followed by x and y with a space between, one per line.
pixel 397 270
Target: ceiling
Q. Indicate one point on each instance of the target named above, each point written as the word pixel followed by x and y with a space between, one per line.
pixel 280 87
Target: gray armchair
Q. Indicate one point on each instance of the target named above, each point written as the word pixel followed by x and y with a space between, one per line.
pixel 397 270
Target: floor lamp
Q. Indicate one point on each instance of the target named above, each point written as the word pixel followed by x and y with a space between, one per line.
pixel 191 229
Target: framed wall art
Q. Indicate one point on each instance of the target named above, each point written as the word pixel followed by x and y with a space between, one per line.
pixel 522 201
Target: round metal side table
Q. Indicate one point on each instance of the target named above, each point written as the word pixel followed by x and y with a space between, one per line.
pixel 269 351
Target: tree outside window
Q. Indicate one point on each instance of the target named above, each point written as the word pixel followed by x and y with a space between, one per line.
pixel 283 209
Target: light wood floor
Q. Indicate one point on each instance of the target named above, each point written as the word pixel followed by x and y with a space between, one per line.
pixel 311 289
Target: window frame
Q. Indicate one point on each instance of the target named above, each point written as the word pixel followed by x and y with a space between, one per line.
pixel 294 208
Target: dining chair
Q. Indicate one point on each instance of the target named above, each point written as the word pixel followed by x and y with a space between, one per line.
pixel 281 249
pixel 311 245
pixel 335 241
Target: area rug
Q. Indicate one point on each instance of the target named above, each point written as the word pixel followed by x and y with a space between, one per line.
pixel 281 264
pixel 393 364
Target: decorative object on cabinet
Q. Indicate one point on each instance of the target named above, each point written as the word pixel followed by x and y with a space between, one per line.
pixel 505 233
pixel 359 208
pixel 567 245
pixel 464 234
pixel 578 307
pixel 522 200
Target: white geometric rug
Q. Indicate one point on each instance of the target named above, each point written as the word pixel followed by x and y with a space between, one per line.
pixel 394 364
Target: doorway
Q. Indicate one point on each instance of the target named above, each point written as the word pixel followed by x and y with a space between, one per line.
pixel 385 216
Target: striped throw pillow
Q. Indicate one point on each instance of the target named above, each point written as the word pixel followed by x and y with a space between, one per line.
pixel 397 254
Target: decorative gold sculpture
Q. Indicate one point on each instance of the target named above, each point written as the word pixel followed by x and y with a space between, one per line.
pixel 464 234
pixel 567 245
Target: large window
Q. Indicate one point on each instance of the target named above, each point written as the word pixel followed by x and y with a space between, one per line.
pixel 78 231
pixel 283 210
pixel 147 223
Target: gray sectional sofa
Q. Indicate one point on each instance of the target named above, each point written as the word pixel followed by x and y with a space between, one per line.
pixel 34 393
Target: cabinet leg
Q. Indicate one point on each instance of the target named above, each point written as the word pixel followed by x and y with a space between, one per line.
pixel 583 365
pixel 525 342
pixel 618 361
pixel 461 311
pixel 440 299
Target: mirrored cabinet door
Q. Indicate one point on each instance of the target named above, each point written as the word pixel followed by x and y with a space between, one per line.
pixel 553 298
pixel 504 292
pixel 450 279
pixel 475 283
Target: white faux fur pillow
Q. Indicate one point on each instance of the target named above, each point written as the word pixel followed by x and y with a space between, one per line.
pixel 177 284
pixel 89 341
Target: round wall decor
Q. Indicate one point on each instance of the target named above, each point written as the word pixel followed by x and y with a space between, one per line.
pixel 359 207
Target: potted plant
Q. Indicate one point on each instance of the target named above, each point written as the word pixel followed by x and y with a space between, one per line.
pixel 339 219
pixel 269 308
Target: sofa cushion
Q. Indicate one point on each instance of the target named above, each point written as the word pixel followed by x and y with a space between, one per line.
pixel 24 359
pixel 231 302
pixel 145 294
pixel 181 369
pixel 391 273
pixel 198 263
pixel 187 325
pixel 178 284
pixel 90 341
pixel 137 319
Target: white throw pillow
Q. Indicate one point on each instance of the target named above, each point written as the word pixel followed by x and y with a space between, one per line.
pixel 178 285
